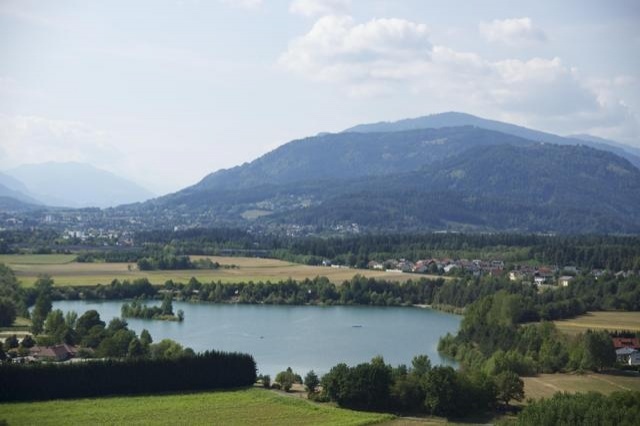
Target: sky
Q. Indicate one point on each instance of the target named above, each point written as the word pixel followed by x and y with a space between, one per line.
pixel 164 92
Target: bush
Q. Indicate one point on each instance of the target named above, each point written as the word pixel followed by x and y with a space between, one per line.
pixel 286 379
pixel 265 380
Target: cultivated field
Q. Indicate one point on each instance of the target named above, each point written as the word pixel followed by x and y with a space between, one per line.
pixel 36 259
pixel 66 272
pixel 601 321
pixel 545 385
pixel 251 406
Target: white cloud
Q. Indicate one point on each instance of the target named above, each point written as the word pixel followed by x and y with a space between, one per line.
pixel 339 50
pixel 514 31
pixel 243 4
pixel 319 7
pixel 395 57
pixel 32 139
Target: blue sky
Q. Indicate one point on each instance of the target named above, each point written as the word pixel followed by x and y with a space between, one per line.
pixel 165 92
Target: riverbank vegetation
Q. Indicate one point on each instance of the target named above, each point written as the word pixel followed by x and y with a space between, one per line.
pixel 491 338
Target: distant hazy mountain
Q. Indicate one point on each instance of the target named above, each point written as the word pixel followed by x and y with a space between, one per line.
pixel 595 139
pixel 10 204
pixel 77 185
pixel 454 178
pixel 13 188
pixel 454 119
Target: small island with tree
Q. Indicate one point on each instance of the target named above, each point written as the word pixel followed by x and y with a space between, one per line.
pixel 164 312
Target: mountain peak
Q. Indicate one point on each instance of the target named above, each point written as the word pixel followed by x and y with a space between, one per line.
pixel 456 119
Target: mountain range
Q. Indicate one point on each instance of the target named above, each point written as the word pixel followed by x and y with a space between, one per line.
pixel 11 188
pixel 455 119
pixel 72 185
pixel 450 171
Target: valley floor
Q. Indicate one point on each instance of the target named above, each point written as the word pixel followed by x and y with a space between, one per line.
pixel 66 272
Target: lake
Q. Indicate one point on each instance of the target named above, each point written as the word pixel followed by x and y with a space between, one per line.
pixel 302 337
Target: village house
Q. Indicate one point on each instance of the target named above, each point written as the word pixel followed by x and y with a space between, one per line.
pixel 634 358
pixel 405 265
pixel 624 354
pixel 564 281
pixel 421 267
pixel 450 268
pixel 375 265
pixel 626 342
pixel 62 352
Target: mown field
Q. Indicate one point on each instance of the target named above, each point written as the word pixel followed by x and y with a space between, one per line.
pixel 20 328
pixel 600 321
pixel 37 259
pixel 66 272
pixel 241 407
pixel 545 385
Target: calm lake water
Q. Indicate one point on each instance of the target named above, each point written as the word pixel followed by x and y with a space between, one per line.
pixel 302 337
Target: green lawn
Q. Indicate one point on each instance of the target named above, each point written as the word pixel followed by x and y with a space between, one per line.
pixel 241 407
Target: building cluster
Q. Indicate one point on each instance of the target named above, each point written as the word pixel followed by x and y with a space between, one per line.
pixel 627 350
pixel 107 237
pixel 541 275
pixel 424 266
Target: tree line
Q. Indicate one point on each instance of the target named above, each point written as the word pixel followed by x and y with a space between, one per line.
pixel 586 293
pixel 564 409
pixel 208 370
pixel 416 389
pixel 586 251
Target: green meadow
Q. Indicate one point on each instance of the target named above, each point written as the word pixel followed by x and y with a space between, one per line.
pixel 240 407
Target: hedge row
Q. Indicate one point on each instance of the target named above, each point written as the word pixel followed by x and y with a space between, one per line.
pixel 209 370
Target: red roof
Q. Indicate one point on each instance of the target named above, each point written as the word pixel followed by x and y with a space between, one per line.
pixel 58 352
pixel 626 342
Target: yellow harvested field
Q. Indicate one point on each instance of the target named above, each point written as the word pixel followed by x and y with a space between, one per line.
pixel 545 385
pixel 600 321
pixel 68 273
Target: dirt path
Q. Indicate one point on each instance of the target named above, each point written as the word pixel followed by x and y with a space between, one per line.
pixel 610 382
pixel 549 385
